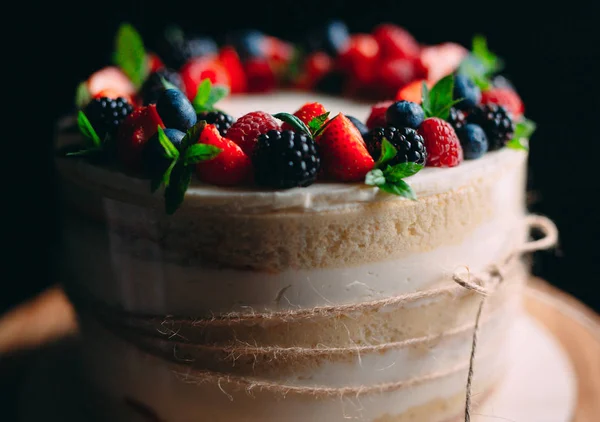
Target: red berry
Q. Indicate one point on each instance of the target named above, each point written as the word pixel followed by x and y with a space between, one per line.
pixel 377 116
pixel 395 73
pixel 198 69
pixel 231 167
pixel 277 51
pixel 231 61
pixel 306 113
pixel 316 66
pixel 110 78
pixel 154 62
pixel 505 97
pixel 344 156
pixel 248 127
pixel 133 134
pixel 412 92
pixel 442 144
pixel 395 42
pixel 442 59
pixel 260 74
pixel 359 58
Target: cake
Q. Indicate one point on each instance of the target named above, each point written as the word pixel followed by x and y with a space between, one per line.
pixel 307 272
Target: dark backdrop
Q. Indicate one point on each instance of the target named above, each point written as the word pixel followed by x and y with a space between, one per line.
pixel 552 56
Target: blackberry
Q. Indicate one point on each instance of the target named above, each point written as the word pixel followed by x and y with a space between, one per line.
pixel 495 122
pixel 410 145
pixel 106 114
pixel 221 120
pixel 285 159
pixel 457 118
pixel 153 86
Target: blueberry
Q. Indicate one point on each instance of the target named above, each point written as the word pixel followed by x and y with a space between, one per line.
pixel 362 128
pixel 405 114
pixel 465 88
pixel 473 140
pixel 248 43
pixel 331 38
pixel 175 110
pixel 153 155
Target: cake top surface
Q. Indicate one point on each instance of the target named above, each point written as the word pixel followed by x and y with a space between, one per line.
pixel 199 121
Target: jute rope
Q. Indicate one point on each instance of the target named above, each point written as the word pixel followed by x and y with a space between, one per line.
pixel 132 327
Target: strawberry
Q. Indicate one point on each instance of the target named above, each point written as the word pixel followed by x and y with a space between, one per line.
pixel 344 156
pixel 396 42
pixel 277 51
pixel 231 61
pixel 231 167
pixel 134 132
pixel 154 62
pixel 306 113
pixel 412 92
pixel 260 74
pixel 442 59
pixel 359 58
pixel 442 144
pixel 247 128
pixel 505 97
pixel 315 66
pixel 110 78
pixel 377 116
pixel 195 70
pixel 396 73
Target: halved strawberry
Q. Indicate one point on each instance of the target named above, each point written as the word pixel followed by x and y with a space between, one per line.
pixel 110 78
pixel 377 116
pixel 306 113
pixel 198 69
pixel 442 59
pixel 505 97
pixel 260 75
pixel 412 92
pixel 133 133
pixel 344 156
pixel 396 42
pixel 231 167
pixel 231 61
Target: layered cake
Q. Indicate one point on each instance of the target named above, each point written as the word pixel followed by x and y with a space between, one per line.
pixel 232 261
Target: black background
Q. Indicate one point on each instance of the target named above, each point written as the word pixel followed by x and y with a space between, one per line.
pixel 552 56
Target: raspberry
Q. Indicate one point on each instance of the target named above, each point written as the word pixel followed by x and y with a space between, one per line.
pixel 409 144
pixel 377 116
pixel 106 114
pixel 153 86
pixel 442 144
pixel 495 122
pixel 285 160
pixel 457 118
pixel 248 127
pixel 221 120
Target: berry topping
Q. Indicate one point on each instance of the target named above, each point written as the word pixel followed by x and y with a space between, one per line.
pixel 260 75
pixel 409 144
pixel 111 79
pixel 154 86
pixel 106 114
pixel 344 155
pixel 231 167
pixel 393 74
pixel 441 60
pixel 306 113
pixel 221 120
pixel 473 140
pixel 360 58
pixel 396 43
pixel 176 110
pixel 404 114
pixel 154 63
pixel 378 112
pixel 456 118
pixel 442 144
pixel 196 70
pixel 466 89
pixel 247 128
pixel 230 60
pixel 285 159
pixel 362 128
pixel 495 122
pixel 134 132
pixel 153 154
pixel 331 38
pixel 507 98
pixel 412 92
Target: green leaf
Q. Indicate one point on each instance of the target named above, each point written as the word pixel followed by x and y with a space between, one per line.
pixel 523 132
pixel 180 178
pixel 489 60
pixel 86 129
pixel 320 130
pixel 217 93
pixel 315 124
pixel 425 103
pixel 400 188
pixel 401 170
pixel 159 179
pixel 202 95
pixel 170 149
pixel 85 152
pixel 438 101
pixel 296 124
pixel 192 135
pixel 375 178
pixel 200 152
pixel 130 54
pixel 388 152
pixel 82 96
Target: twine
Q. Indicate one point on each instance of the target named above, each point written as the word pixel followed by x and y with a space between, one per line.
pixel 130 326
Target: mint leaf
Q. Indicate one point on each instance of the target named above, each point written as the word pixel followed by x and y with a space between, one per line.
pixel 315 124
pixel 401 170
pixel 86 129
pixel 170 149
pixel 217 93
pixel 375 178
pixel 320 130
pixel 180 178
pixel 296 124
pixel 400 188
pixel 425 103
pixel 192 135
pixel 82 96
pixel 388 152
pixel 489 60
pixel 523 132
pixel 200 152
pixel 85 152
pixel 130 54
pixel 202 95
pixel 438 101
